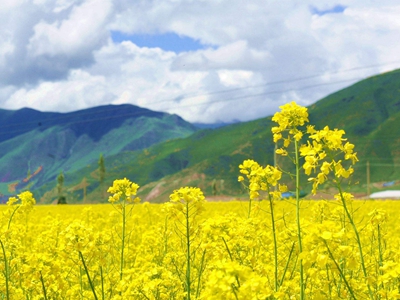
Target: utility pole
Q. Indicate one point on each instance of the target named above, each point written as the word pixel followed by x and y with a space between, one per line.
pixel 368 180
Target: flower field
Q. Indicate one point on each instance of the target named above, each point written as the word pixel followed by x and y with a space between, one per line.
pixel 232 256
pixel 187 248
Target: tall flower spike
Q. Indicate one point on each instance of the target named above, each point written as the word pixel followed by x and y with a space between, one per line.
pixel 291 116
pixel 123 188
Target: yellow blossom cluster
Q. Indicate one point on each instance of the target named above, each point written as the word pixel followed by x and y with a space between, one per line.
pixel 326 153
pixel 289 119
pixel 232 254
pixel 125 189
pixel 261 178
pixel 190 249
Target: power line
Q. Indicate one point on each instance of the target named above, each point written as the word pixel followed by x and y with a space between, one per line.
pixel 293 79
pixel 206 94
pixel 141 113
pixel 268 93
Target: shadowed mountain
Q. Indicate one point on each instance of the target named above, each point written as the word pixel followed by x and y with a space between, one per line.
pixel 94 122
pixel 55 142
pixel 162 152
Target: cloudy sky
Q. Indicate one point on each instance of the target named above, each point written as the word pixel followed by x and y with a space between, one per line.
pixel 205 60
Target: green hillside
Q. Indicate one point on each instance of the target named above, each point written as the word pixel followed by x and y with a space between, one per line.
pixel 368 111
pixel 208 152
pixel 33 159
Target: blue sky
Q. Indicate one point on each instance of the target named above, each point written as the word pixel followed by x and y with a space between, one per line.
pixel 332 10
pixel 224 60
pixel 166 41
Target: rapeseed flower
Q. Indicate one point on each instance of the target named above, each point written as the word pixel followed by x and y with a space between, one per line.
pixel 123 188
pixel 289 118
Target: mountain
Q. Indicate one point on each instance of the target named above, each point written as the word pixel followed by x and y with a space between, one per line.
pixel 213 125
pixel 162 152
pixel 36 146
pixel 369 112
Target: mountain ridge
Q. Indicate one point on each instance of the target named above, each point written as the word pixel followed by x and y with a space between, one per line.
pixel 64 142
pixel 369 112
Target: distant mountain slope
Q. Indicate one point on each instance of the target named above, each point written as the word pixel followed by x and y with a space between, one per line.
pixel 213 125
pixel 67 142
pixel 204 155
pixel 369 111
pixel 94 122
pixel 362 107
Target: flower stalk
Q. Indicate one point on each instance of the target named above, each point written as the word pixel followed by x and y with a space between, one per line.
pixel 123 192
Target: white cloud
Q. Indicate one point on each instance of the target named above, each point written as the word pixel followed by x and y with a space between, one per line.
pixel 8 5
pixel 80 90
pixel 236 78
pixel 83 30
pixel 236 55
pixel 62 50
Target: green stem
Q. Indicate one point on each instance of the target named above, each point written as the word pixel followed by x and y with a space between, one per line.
pixel 80 281
pixel 6 270
pixel 234 292
pixel 230 256
pixel 287 264
pixel 380 255
pixel 380 247
pixel 329 286
pixel 271 205
pixel 11 217
pixel 340 272
pixel 353 225
pixel 249 214
pixel 43 287
pixel 123 239
pixel 200 274
pixel 188 258
pixel 297 163
pixel 102 283
pixel 88 275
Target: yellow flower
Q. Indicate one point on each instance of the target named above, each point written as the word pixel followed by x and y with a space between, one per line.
pixel 340 171
pixel 26 198
pixel 282 152
pixel 275 195
pixel 283 188
pixel 326 235
pixel 259 178
pixel 310 164
pixel 298 135
pixel 347 197
pixel 123 188
pixel 326 168
pixel 311 129
pixel 187 195
pixel 291 115
pixel 12 200
pixel 277 137
pixel 378 216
